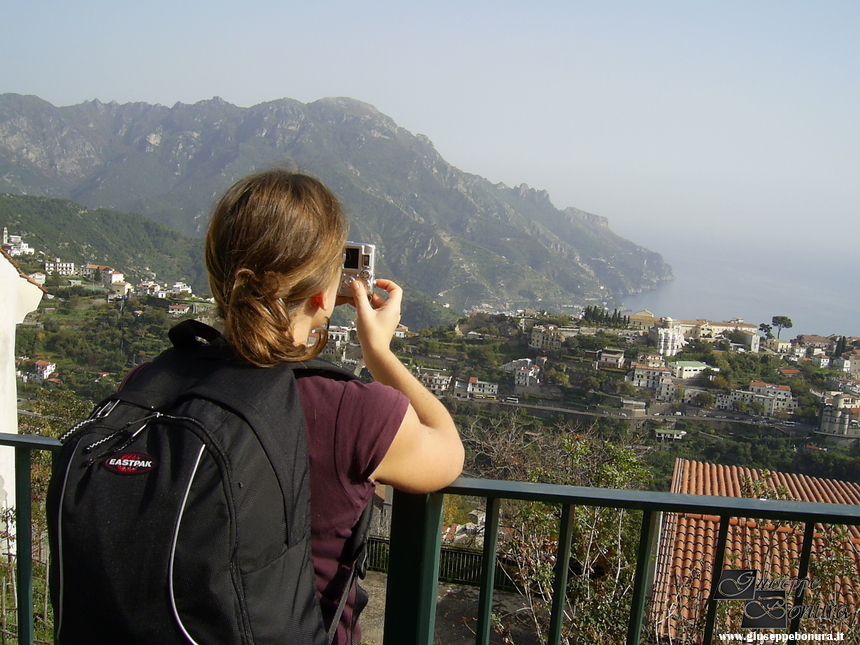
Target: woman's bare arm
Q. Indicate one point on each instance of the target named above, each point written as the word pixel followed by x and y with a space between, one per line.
pixel 426 453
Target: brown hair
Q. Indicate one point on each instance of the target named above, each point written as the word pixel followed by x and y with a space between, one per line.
pixel 276 238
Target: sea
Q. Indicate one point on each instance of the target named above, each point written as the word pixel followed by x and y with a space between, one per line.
pixel 819 292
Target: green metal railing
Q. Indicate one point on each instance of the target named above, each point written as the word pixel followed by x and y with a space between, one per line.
pixel 417 523
pixel 415 540
pixel 24 446
pixel 457 565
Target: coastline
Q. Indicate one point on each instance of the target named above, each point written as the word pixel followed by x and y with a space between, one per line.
pixel 816 293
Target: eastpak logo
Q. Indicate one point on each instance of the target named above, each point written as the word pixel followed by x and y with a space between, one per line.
pixel 130 463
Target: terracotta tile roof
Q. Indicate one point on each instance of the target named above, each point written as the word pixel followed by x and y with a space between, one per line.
pixel 688 541
pixel 769 385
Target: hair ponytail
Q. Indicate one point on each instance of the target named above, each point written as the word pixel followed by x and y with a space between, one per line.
pixel 275 239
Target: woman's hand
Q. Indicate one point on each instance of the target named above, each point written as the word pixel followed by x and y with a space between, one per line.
pixel 376 317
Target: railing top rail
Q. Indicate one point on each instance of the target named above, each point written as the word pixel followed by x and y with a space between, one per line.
pixel 606 497
pixel 658 501
pixel 32 441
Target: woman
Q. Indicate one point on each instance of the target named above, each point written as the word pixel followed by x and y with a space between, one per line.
pixel 274 252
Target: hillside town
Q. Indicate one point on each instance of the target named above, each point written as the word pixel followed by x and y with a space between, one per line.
pixel 92 275
pixel 647 358
pixel 658 381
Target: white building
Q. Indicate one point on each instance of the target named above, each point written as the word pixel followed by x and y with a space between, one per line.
pixel 668 337
pixel 178 310
pixel 777 345
pixel 338 340
pixel 609 358
pixel 710 330
pixel 647 377
pixel 475 389
pixel 546 337
pixel 44 369
pixel 527 377
pixel 20 296
pixel 180 288
pixel 437 381
pixel 14 245
pixel 773 398
pixel 147 288
pixel 59 267
pixel 688 369
pixel 821 361
pixel 840 416
pixel 518 364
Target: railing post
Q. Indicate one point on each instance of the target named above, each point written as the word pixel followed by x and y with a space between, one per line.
pixel 719 560
pixel 413 564
pixel 24 545
pixel 803 573
pixel 644 568
pixel 488 571
pixel 562 565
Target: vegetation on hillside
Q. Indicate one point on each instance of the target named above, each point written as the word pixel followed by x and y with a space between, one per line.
pixel 133 244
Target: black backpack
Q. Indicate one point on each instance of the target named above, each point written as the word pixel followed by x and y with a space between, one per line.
pixel 179 511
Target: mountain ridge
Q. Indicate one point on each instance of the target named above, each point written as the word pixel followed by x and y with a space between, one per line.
pixel 456 236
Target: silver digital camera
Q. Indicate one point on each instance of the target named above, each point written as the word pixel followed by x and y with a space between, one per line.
pixel 359 263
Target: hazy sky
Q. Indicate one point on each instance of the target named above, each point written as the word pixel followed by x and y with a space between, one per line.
pixel 679 121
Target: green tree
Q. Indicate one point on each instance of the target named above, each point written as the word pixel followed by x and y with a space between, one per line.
pixel 781 322
pixel 766 329
pixel 705 399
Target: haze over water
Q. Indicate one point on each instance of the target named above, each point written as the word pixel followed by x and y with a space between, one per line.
pixel 722 283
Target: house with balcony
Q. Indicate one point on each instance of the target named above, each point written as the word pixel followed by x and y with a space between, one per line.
pixel 43 370
pixel 647 377
pixel 435 380
pixel 59 267
pixel 546 338
pixel 651 359
pixel 181 290
pixel 147 288
pixel 473 388
pixel 610 358
pixel 338 343
pixel 777 345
